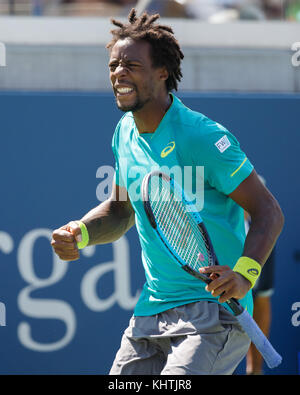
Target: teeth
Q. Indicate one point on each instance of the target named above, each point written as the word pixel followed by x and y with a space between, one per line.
pixel 125 90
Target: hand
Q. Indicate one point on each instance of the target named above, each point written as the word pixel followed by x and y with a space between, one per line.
pixel 226 283
pixel 64 241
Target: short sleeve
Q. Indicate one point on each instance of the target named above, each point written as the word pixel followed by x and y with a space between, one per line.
pixel 225 164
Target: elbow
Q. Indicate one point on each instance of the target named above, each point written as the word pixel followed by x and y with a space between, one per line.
pixel 281 218
pixel 277 215
pixel 269 211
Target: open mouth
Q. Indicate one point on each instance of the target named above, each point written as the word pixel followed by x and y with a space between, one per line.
pixel 124 91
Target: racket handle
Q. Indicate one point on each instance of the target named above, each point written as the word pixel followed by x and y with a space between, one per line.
pixel 257 337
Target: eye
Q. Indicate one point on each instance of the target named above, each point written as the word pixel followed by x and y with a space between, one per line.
pixel 129 66
pixel 133 65
pixel 112 66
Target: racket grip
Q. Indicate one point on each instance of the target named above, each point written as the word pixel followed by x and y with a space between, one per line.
pixel 257 337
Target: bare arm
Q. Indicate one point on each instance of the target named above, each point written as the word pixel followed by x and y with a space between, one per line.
pixel 111 219
pixel 266 224
pixel 266 217
pixel 105 223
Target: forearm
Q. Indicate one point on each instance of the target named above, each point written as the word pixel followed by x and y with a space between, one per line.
pixel 264 230
pixel 107 222
pixel 266 226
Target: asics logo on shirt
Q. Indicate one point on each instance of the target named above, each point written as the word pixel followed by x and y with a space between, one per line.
pixel 169 148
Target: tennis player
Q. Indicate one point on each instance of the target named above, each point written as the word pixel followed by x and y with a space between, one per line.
pixel 177 328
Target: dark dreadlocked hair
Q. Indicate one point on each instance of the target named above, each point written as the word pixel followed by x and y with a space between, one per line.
pixel 166 51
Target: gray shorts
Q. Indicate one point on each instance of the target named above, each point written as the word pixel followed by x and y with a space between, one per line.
pixel 200 338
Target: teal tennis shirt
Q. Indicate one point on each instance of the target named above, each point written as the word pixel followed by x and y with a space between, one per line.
pixel 208 162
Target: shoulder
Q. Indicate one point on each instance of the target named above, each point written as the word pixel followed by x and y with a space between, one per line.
pixel 125 123
pixel 200 133
pixel 123 129
pixel 186 117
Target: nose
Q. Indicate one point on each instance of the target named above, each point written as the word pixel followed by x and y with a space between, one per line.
pixel 120 71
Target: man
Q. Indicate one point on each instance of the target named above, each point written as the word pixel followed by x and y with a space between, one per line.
pixel 177 327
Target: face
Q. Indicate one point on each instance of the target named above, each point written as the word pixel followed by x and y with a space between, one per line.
pixel 135 82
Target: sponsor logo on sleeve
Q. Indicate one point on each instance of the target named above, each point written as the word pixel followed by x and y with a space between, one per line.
pixel 223 144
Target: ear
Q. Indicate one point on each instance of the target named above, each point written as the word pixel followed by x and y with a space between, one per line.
pixel 163 73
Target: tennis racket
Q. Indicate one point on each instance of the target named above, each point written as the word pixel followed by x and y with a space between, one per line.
pixel 181 230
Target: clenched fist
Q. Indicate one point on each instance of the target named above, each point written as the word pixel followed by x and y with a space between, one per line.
pixel 225 282
pixel 64 241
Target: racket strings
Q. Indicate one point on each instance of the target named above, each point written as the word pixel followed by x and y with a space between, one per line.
pixel 178 225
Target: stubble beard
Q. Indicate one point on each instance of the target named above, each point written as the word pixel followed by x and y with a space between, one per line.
pixel 138 103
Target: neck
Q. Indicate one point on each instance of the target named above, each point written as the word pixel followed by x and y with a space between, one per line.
pixel 149 117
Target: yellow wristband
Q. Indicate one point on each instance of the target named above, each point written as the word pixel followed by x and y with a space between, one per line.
pixel 248 268
pixel 85 235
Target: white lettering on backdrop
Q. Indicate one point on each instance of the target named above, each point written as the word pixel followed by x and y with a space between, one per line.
pixel 41 308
